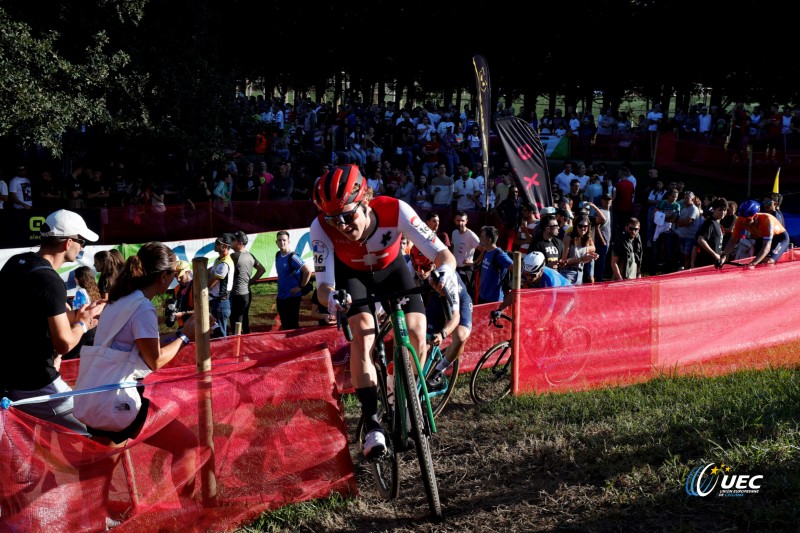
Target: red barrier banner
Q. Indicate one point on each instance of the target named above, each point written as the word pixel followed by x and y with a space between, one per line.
pixel 243 346
pixel 278 433
pixel 706 320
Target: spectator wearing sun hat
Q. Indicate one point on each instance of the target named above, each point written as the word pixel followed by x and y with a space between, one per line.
pixel 183 293
pixel 40 317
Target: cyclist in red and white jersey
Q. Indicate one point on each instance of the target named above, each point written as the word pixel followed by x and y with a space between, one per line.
pixel 356 244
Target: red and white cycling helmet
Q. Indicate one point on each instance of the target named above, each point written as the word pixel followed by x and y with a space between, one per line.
pixel 341 186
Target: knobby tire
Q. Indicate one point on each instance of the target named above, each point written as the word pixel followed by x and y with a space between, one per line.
pixel 491 379
pixel 420 435
pixel 386 469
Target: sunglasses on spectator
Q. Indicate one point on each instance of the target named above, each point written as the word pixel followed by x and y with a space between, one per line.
pixel 345 219
pixel 583 225
pixel 79 240
pixel 552 226
pixel 633 229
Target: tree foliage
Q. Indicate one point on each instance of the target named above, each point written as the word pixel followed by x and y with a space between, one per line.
pixel 47 89
pixel 169 70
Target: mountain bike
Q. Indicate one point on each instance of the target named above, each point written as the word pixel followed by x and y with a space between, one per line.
pixel 566 355
pixel 406 423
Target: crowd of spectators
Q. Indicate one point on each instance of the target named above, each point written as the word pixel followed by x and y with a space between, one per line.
pixel 280 148
pixel 430 157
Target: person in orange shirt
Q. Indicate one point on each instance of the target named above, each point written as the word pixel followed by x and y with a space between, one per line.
pixel 772 239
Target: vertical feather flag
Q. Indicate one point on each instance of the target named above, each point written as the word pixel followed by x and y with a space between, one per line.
pixel 775 185
pixel 484 108
pixel 527 157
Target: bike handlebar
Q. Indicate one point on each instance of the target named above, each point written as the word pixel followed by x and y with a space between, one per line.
pixel 341 297
pixel 718 265
pixel 493 320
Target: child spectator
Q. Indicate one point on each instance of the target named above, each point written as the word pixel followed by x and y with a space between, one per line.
pixel 87 287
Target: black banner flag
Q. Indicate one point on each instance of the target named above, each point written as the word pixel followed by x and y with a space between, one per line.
pixel 526 155
pixel 483 109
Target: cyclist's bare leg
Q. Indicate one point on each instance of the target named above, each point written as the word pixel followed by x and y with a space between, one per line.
pixel 417 324
pixel 362 370
pixel 457 345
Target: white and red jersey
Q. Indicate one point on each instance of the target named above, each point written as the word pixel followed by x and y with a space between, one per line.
pixel 393 217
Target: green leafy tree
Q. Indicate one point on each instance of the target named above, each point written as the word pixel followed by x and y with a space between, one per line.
pixel 50 83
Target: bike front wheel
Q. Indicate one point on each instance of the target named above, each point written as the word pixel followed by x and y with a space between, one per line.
pixel 491 379
pixel 421 433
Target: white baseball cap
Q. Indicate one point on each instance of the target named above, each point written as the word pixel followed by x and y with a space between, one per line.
pixel 63 223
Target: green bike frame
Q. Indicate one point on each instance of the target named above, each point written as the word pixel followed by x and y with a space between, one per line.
pixel 401 338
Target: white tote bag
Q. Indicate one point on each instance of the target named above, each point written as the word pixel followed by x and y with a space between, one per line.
pixel 112 410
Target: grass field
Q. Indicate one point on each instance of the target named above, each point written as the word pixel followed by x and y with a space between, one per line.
pixel 605 460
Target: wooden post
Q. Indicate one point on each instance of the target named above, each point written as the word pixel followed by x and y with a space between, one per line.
pixel 237 346
pixel 203 360
pixel 517 323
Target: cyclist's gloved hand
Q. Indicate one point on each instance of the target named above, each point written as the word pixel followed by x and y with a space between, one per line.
pixel 494 315
pixel 448 281
pixel 334 307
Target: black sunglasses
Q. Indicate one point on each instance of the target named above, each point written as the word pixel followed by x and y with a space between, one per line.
pixel 79 240
pixel 633 229
pixel 345 219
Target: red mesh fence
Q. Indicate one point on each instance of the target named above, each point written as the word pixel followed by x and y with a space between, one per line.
pixel 703 320
pixel 278 437
pixel 279 434
pixel 245 346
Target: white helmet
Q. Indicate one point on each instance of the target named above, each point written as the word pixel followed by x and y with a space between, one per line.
pixel 533 262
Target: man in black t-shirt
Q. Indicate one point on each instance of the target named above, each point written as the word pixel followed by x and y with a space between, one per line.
pixel 626 255
pixel 550 245
pixel 709 236
pixel 40 318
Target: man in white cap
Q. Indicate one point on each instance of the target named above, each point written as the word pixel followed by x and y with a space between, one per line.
pixel 41 319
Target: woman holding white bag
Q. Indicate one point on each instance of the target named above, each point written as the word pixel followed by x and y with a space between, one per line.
pixel 127 348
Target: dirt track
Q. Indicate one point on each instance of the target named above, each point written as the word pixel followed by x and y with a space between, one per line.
pixel 528 466
pixel 491 478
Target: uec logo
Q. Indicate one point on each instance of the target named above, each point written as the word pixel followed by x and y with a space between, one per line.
pixel 701 481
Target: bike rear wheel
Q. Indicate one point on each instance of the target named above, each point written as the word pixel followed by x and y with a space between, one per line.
pixel 421 433
pixel 491 379
pixel 440 398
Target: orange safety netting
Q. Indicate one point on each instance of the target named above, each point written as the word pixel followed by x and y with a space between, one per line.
pixel 278 437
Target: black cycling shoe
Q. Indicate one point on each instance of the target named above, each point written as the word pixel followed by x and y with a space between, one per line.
pixel 436 381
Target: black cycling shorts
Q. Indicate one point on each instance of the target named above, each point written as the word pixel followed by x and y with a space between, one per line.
pixel 394 278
